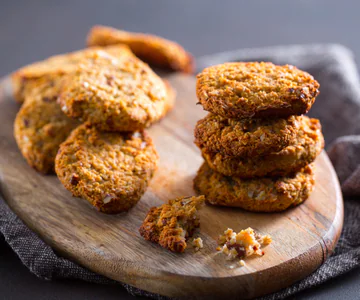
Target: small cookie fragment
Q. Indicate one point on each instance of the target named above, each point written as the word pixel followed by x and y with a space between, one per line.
pixel 152 49
pixel 40 126
pixel 242 263
pixel 266 194
pixel 170 225
pixel 306 146
pixel 256 89
pixel 243 244
pixel 24 79
pixel 110 170
pixel 115 94
pixel 247 137
pixel 198 244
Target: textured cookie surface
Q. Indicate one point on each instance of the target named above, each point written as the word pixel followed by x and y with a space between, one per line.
pixel 152 49
pixel 115 94
pixel 170 225
pixel 246 137
pixel 252 89
pixel 307 145
pixel 259 195
pixel 40 125
pixel 110 170
pixel 24 79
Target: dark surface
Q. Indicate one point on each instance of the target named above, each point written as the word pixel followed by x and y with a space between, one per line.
pixel 33 30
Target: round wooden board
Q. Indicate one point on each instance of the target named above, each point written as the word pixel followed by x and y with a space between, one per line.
pixel 303 237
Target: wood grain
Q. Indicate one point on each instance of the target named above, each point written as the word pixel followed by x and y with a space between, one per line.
pixel 303 237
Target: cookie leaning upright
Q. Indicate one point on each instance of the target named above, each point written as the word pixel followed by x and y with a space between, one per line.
pixel 115 93
pixel 253 89
pixel 109 169
pixel 40 126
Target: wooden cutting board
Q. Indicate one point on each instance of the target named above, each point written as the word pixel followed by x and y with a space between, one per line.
pixel 303 237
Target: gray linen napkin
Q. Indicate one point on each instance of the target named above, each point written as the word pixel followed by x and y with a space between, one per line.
pixel 338 108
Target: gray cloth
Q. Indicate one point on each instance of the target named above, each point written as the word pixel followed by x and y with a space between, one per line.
pixel 338 108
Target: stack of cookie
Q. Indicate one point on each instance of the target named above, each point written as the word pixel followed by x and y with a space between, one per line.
pixel 84 114
pixel 257 145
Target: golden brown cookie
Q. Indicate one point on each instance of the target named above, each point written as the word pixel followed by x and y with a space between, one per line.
pixel 152 49
pixel 40 125
pixel 305 148
pixel 58 65
pixel 109 169
pixel 115 94
pixel 246 137
pixel 170 225
pixel 253 89
pixel 267 194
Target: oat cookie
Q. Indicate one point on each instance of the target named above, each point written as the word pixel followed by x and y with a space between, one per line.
pixel 40 125
pixel 246 137
pixel 109 169
pixel 152 49
pixel 24 79
pixel 170 225
pixel 267 194
pixel 304 150
pixel 115 94
pixel 253 89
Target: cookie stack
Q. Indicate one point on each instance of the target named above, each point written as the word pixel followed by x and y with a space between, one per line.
pixel 257 145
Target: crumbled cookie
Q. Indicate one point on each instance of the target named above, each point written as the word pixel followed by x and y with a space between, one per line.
pixel 246 137
pixel 303 150
pixel 40 125
pixel 253 89
pixel 170 225
pixel 24 79
pixel 109 169
pixel 152 49
pixel 267 194
pixel 243 244
pixel 198 243
pixel 115 94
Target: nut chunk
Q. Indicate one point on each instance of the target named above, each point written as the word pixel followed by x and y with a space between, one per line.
pixel 243 244
pixel 171 224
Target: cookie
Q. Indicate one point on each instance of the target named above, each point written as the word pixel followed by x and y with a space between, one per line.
pixel 253 89
pixel 115 94
pixel 152 49
pixel 267 194
pixel 40 125
pixel 306 147
pixel 245 137
pixel 170 225
pixel 58 65
pixel 109 169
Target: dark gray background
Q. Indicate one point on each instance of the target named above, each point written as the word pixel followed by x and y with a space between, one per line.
pixel 33 30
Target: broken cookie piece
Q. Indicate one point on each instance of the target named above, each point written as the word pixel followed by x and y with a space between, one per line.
pixel 243 244
pixel 198 243
pixel 170 225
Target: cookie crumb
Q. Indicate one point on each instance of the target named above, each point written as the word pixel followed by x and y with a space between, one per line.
pixel 198 244
pixel 242 263
pixel 243 244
